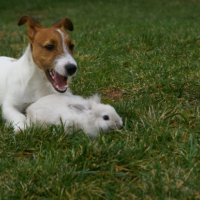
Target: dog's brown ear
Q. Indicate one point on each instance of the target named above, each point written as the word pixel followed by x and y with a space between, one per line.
pixel 33 25
pixel 65 22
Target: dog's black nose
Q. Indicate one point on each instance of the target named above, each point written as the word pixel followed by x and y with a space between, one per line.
pixel 71 69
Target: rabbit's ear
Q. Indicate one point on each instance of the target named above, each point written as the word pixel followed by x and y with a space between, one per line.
pixel 78 108
pixel 96 98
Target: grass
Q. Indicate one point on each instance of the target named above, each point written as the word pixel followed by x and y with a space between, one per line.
pixel 143 58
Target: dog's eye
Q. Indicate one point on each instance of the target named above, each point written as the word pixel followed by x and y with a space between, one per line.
pixel 71 47
pixel 49 47
pixel 106 117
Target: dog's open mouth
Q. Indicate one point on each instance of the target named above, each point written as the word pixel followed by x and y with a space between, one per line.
pixel 58 81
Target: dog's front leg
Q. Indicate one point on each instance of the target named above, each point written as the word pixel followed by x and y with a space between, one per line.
pixel 13 116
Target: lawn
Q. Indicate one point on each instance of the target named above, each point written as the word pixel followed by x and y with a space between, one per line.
pixel 143 58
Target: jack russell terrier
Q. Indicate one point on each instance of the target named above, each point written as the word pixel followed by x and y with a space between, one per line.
pixel 45 68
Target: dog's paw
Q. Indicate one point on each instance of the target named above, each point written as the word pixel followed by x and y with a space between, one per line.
pixel 19 127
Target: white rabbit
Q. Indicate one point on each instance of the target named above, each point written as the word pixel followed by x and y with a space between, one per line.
pixel 75 113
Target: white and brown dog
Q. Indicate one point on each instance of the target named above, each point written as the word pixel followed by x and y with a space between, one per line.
pixel 45 68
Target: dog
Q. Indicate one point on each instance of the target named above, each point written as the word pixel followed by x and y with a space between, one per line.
pixel 46 67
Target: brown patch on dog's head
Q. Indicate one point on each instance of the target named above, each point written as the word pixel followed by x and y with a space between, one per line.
pixel 46 43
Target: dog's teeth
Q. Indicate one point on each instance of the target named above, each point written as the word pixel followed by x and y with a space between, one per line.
pixel 50 72
pixel 57 86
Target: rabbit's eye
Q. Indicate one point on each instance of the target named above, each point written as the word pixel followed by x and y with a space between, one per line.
pixel 106 117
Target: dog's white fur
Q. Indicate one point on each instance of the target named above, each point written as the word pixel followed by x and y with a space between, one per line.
pixel 23 82
pixel 75 113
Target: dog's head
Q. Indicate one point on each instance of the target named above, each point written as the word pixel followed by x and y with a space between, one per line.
pixel 52 50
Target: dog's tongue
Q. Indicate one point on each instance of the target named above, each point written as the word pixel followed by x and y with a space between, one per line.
pixel 60 82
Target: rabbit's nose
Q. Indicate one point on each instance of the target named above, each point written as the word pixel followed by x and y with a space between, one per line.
pixel 121 127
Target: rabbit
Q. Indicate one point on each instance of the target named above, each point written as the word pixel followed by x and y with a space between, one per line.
pixel 75 112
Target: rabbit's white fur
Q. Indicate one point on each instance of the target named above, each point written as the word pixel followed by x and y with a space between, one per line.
pixel 75 113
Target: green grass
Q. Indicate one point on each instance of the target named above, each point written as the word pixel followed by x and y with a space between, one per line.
pixel 143 58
